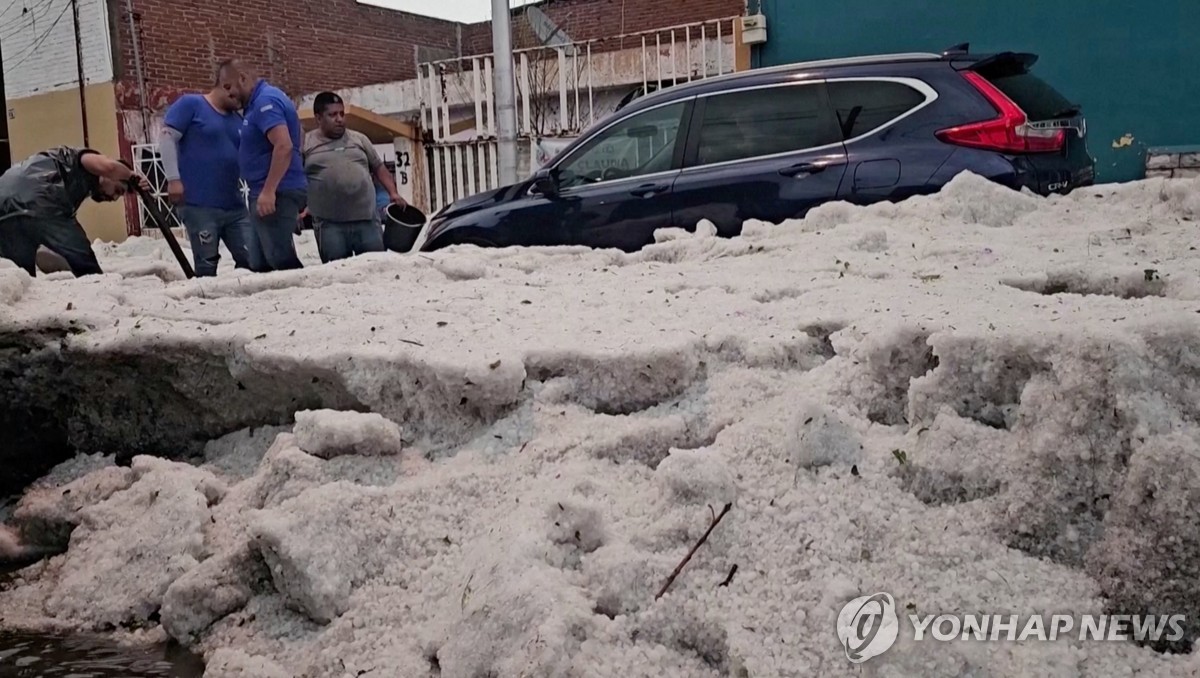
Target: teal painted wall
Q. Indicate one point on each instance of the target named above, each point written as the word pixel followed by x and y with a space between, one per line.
pixel 1135 69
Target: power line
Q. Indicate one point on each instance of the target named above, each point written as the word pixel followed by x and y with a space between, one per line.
pixel 38 43
pixel 28 20
pixel 10 5
pixel 33 48
pixel 23 24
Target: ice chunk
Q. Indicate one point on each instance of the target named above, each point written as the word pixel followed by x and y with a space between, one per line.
pixel 576 527
pixel 1148 561
pixel 469 265
pixel 874 240
pixel 285 472
pixel 327 433
pixel 13 283
pixel 822 438
pixel 1184 197
pixel 73 469
pixel 625 382
pixel 212 488
pixel 10 544
pixel 881 369
pixel 624 579
pixel 217 587
pixel 240 453
pixel 697 476
pixel 229 663
pixel 128 549
pixel 957 460
pixel 47 515
pixel 316 549
pixel 509 626
pixel 662 235
pixel 974 200
pixel 310 566
pixel 830 215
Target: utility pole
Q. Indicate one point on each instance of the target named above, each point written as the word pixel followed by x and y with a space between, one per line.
pixel 79 65
pixel 506 96
pixel 135 40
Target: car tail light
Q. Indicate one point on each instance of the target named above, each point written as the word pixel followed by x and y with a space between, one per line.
pixel 1009 133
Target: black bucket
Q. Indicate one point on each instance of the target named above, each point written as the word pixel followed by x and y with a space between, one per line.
pixel 402 226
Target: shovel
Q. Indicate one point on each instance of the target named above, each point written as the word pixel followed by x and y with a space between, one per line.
pixel 161 220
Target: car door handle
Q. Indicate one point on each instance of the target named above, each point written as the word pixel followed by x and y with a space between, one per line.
pixel 647 190
pixel 803 168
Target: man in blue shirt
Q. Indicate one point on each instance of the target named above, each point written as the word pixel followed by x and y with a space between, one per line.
pixel 199 148
pixel 269 157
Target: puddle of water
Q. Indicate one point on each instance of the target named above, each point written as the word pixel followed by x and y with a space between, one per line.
pixel 36 655
pixel 26 655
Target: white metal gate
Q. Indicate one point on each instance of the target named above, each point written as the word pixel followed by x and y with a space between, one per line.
pixel 561 91
pixel 148 161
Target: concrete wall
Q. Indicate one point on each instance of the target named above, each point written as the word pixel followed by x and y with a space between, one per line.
pixel 1129 66
pixel 52 119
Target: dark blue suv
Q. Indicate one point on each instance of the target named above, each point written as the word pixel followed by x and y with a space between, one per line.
pixel 772 144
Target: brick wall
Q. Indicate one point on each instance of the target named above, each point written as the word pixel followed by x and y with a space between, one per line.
pixel 1173 162
pixel 594 19
pixel 300 45
pixel 308 45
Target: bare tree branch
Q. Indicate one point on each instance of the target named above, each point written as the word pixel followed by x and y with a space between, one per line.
pixel 683 563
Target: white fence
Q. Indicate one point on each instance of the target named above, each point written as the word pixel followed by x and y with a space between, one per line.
pixel 561 91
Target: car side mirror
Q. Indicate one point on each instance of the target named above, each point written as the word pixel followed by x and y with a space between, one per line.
pixel 545 182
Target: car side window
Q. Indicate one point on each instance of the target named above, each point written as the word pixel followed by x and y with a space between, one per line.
pixel 764 121
pixel 865 105
pixel 641 144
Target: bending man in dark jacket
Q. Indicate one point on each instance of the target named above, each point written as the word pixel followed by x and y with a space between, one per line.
pixel 40 196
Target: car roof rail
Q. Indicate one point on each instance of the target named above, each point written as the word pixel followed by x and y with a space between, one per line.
pixel 866 60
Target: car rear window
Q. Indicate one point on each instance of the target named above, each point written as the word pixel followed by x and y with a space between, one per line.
pixel 865 105
pixel 1038 99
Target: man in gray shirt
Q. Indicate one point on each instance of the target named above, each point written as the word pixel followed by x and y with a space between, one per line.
pixel 341 165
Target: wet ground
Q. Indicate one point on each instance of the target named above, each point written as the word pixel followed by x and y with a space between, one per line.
pixel 34 655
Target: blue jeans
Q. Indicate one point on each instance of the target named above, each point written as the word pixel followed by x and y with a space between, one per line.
pixel 207 228
pixel 21 236
pixel 342 239
pixel 269 240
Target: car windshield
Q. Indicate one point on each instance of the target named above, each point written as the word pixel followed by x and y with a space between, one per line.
pixel 641 144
